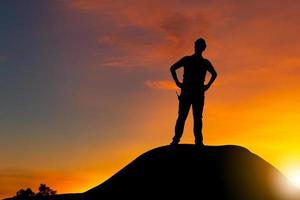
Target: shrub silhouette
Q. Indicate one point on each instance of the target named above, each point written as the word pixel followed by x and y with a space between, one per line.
pixel 45 191
pixel 24 194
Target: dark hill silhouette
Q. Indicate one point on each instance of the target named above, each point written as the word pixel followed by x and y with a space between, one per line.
pixel 187 172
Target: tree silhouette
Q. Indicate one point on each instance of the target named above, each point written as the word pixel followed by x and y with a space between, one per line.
pixel 24 194
pixel 44 190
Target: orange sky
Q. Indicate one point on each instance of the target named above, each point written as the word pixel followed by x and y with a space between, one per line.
pixel 117 100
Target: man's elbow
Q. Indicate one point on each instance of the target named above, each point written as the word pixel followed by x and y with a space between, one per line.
pixel 172 69
pixel 214 74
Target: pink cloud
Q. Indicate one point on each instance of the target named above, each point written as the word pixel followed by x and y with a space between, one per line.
pixel 161 85
pixel 156 30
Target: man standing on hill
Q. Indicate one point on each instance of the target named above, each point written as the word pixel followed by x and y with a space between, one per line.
pixel 192 90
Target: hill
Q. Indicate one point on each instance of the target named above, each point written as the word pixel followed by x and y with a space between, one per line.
pixel 187 172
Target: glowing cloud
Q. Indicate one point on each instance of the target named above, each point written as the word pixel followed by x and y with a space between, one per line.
pixel 161 85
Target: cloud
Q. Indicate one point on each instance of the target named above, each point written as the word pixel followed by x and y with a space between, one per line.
pixel 161 85
pixel 152 32
pixel 164 30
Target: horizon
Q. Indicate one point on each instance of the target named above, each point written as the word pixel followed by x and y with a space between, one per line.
pixel 86 85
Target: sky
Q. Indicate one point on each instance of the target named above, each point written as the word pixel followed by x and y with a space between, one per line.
pixel 86 87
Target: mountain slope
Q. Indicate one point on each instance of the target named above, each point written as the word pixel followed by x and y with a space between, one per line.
pixel 184 171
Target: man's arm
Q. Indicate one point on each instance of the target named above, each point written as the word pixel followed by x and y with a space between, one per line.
pixel 173 69
pixel 213 77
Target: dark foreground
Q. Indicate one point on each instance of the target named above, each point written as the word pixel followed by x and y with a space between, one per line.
pixel 186 172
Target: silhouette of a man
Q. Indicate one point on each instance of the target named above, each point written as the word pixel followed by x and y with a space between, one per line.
pixel 192 90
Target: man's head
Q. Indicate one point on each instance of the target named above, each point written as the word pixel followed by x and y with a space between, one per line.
pixel 200 45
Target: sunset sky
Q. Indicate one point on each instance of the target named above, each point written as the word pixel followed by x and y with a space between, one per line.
pixel 85 85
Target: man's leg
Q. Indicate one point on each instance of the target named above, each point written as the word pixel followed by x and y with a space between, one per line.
pixel 184 107
pixel 198 104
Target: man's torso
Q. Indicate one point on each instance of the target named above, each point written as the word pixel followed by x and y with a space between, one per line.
pixel 195 68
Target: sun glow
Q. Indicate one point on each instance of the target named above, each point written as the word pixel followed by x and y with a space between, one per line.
pixel 294 177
